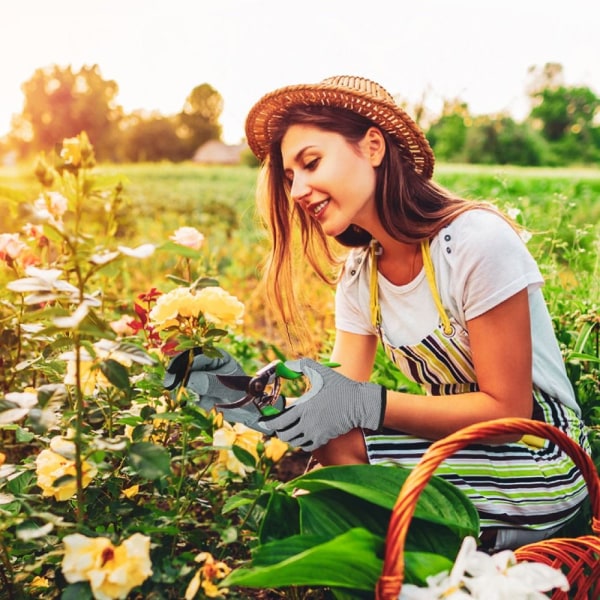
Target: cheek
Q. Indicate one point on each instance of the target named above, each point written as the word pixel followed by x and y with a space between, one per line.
pixel 360 179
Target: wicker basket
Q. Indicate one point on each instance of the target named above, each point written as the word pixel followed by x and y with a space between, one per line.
pixel 578 558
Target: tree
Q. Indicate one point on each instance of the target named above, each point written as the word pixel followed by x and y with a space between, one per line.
pixel 199 120
pixel 501 140
pixel 448 134
pixel 566 115
pixel 149 138
pixel 60 103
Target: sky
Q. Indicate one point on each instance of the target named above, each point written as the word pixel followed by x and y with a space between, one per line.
pixel 157 51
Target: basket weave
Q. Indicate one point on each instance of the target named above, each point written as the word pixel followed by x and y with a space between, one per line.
pixel 578 558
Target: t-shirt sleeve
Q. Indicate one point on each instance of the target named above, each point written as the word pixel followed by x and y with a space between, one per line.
pixel 351 297
pixel 489 262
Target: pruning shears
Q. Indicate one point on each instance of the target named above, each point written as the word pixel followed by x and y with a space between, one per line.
pixel 263 389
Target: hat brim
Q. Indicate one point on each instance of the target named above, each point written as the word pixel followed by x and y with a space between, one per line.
pixel 266 115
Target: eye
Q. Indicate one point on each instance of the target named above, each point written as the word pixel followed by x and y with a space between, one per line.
pixel 313 164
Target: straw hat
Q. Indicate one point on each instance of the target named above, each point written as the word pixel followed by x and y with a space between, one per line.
pixel 356 94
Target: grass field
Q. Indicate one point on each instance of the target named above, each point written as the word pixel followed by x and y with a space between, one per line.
pixel 561 207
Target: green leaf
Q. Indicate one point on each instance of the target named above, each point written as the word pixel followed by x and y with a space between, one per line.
pixel 349 561
pixel 20 485
pixel 116 373
pixel 245 457
pixel 440 502
pixel 180 250
pixel 282 517
pixel 418 566
pixel 136 354
pixel 332 512
pixel 77 591
pixel 204 282
pixel 149 460
pixel 215 333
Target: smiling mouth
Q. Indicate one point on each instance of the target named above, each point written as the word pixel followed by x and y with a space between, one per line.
pixel 319 207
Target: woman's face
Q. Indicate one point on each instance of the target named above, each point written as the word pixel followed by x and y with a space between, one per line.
pixel 333 181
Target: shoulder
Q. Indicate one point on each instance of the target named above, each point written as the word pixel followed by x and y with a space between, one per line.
pixel 354 265
pixel 479 231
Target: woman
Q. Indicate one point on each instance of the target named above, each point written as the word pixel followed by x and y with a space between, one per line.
pixel 446 285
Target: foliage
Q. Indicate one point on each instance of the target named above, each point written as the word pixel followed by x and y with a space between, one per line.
pixel 339 515
pixel 146 457
pixel 60 103
pixel 560 129
pixel 109 482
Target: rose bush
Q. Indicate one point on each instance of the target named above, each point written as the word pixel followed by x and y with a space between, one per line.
pixel 111 486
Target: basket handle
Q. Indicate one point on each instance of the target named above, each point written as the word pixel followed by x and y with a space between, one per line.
pixel 390 581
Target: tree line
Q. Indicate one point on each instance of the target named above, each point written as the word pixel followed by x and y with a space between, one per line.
pixel 60 103
pixel 562 127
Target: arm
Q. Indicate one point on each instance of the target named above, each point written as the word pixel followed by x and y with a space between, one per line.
pixel 502 356
pixel 355 354
pixel 335 404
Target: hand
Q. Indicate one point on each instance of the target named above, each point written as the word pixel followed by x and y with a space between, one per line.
pixel 204 382
pixel 331 407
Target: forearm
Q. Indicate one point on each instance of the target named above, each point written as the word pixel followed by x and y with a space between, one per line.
pixel 434 417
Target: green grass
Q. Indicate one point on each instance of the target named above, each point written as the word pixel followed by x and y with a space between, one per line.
pixel 559 206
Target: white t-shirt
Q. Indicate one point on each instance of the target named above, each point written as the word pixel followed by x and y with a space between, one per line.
pixel 479 261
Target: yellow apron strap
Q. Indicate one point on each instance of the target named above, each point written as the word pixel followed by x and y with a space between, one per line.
pixel 374 288
pixel 429 273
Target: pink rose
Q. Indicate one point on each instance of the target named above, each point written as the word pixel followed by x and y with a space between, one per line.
pixel 189 237
pixel 10 246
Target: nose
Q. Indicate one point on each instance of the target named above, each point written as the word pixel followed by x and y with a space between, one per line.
pixel 300 188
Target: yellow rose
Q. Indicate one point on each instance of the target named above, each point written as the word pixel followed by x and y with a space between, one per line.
pixel 275 449
pixel 235 435
pixel 206 576
pixel 214 303
pixel 71 151
pixel 40 582
pixel 166 310
pixel 51 466
pixel 2 458
pixel 112 571
pixel 91 376
pixel 220 307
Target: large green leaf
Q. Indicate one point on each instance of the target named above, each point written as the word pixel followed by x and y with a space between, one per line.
pixel 282 517
pixel 349 561
pixel 440 502
pixel 332 512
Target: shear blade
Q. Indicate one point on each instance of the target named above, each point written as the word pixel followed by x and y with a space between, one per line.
pixel 235 382
pixel 237 404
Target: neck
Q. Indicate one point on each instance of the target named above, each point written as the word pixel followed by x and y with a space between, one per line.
pixel 400 263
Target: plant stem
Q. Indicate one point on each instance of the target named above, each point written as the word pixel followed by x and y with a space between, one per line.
pixel 80 510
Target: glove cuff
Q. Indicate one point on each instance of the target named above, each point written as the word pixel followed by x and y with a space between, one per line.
pixel 383 407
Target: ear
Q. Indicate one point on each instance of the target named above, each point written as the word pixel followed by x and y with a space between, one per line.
pixel 374 144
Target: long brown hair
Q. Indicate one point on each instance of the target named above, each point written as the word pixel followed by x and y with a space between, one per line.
pixel 410 207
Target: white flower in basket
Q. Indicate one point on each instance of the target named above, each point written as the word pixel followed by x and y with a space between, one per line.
pixel 497 577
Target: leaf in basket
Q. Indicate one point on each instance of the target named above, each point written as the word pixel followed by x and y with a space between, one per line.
pixel 349 561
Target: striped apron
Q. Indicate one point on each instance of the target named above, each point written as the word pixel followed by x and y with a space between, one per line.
pixel 523 485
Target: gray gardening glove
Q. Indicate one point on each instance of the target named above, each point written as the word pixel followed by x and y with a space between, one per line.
pixel 331 407
pixel 203 381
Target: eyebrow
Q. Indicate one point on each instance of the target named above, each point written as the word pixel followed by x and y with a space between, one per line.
pixel 299 154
